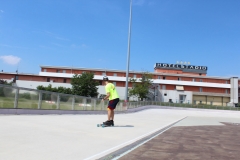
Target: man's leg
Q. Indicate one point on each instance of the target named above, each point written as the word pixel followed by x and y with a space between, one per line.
pixel 112 114
pixel 109 114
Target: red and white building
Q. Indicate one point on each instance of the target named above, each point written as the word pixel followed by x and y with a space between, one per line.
pixel 175 83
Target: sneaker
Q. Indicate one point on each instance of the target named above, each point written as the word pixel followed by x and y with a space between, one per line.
pixel 106 122
pixel 112 122
pixel 109 123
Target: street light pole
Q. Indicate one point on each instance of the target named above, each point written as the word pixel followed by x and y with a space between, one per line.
pixel 128 55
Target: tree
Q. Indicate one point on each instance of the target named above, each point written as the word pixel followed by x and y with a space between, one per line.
pixel 84 85
pixel 141 86
pixel 4 91
pixel 59 89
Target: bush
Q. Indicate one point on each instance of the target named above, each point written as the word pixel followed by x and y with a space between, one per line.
pixel 55 89
pixel 25 95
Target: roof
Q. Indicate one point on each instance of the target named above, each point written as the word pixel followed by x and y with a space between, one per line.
pixel 130 71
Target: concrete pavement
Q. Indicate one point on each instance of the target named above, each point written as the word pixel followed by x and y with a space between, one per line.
pixel 77 136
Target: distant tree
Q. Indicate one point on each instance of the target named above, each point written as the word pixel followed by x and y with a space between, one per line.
pixel 84 85
pixel 140 87
pixel 41 87
pixel 5 82
pixel 4 91
pixel 59 89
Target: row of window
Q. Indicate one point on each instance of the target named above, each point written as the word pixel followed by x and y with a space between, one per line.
pixel 193 79
pixel 163 87
pixel 49 80
pixel 200 102
pixel 134 76
pixel 181 88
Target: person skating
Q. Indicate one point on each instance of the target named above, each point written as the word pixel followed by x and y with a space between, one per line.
pixel 113 97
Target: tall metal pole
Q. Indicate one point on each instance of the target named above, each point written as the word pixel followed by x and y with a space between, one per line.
pixel 128 55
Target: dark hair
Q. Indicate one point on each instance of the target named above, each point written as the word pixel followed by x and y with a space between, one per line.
pixel 105 78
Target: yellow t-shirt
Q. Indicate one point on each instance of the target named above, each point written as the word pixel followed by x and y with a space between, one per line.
pixel 110 88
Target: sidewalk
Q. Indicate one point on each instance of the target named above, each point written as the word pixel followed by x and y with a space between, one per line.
pixel 78 137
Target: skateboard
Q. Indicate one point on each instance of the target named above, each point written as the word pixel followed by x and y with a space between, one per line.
pixel 103 125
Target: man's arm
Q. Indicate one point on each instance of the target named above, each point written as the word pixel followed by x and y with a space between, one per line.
pixel 107 96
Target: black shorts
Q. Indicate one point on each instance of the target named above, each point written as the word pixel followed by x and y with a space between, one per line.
pixel 113 103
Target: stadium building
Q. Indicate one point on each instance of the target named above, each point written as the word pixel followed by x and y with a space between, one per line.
pixel 176 83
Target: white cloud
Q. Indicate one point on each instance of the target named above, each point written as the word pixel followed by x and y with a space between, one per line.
pixel 63 39
pixel 78 46
pixel 5 45
pixel 83 45
pixel 12 60
pixel 138 2
pixel 151 3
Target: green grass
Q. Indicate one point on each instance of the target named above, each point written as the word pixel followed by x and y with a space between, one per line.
pixel 8 102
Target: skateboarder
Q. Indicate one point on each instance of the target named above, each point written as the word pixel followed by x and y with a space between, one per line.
pixel 112 96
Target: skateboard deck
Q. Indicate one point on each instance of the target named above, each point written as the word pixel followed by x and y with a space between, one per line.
pixel 103 125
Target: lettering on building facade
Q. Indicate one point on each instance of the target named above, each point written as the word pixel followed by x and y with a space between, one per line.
pixel 180 66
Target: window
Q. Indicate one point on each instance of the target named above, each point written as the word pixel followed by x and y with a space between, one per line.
pixel 114 83
pixel 45 70
pixel 179 79
pixel 58 71
pixel 159 77
pixel 226 82
pixel 64 71
pixel 182 98
pixel 200 102
pixel 164 87
pixel 193 79
pixel 48 79
pixel 200 89
pixel 211 103
pixel 194 102
pixel 16 77
pixel 134 76
pixel 64 80
pixel 200 80
pixel 179 88
pixel 164 77
pixel 226 91
pixel 104 73
pixel 115 74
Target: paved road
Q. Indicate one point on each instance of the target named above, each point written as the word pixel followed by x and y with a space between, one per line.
pixel 220 142
pixel 77 137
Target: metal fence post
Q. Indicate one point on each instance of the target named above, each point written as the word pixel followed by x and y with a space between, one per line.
pixel 94 104
pixel 40 100
pixel 58 101
pixel 73 102
pixel 102 105
pixel 16 98
pixel 84 103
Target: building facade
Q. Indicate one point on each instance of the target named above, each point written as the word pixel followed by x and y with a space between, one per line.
pixel 172 82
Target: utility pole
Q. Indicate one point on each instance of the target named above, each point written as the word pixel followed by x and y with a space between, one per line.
pixel 128 55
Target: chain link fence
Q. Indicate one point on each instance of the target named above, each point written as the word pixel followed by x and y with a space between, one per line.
pixel 23 98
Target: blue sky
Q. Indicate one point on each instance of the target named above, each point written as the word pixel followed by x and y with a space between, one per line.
pixel 94 34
